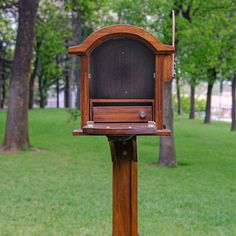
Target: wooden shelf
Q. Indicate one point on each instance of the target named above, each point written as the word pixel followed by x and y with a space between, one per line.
pixel 121 129
pixel 122 100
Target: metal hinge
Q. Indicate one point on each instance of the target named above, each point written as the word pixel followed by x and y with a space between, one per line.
pixel 154 75
pixel 174 69
pixel 89 75
pixel 151 124
pixel 90 123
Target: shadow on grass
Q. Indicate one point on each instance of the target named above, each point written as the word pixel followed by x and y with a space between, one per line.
pixel 28 149
pixel 183 163
pixel 179 164
pixel 155 165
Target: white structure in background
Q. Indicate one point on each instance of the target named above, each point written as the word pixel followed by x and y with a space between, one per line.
pixel 52 99
pixel 220 107
pixel 220 103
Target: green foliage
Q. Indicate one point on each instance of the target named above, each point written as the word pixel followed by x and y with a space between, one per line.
pixel 51 31
pixel 185 101
pixel 205 38
pixel 202 39
pixel 90 13
pixel 63 187
pixel 205 33
pixel 152 15
pixel 8 12
pixel 74 114
pixel 54 33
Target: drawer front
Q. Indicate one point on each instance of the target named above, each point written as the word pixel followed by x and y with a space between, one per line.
pixel 122 113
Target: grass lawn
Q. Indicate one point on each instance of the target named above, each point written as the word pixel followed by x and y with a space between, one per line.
pixel 64 187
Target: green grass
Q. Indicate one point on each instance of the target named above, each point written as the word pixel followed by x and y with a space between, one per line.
pixel 64 187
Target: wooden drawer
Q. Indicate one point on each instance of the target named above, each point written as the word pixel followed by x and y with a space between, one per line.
pixel 122 113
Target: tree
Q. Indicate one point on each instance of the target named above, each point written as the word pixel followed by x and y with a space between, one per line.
pixel 85 16
pixel 219 43
pixel 8 13
pixel 33 76
pixel 167 155
pixel 233 110
pixel 186 61
pixel 228 54
pixel 178 95
pixel 50 50
pixel 212 77
pixel 201 44
pixel 16 134
pixel 154 17
pixel 192 101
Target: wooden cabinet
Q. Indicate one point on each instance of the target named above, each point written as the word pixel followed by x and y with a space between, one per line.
pixel 123 69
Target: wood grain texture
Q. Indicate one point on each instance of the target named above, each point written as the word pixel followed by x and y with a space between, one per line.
pixel 129 86
pixel 159 91
pixel 84 92
pixel 115 31
pixel 121 100
pixel 121 114
pixel 168 68
pixel 125 185
pixel 121 129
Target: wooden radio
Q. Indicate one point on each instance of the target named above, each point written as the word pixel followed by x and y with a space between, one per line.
pixel 123 68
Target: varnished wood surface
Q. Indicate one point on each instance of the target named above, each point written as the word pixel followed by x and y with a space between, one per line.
pixel 122 136
pixel 120 30
pixel 84 90
pixel 124 188
pixel 121 114
pixel 163 71
pixel 121 129
pixel 168 67
pixel 159 92
pixel 121 100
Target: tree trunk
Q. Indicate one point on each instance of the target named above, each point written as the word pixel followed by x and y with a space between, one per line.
pixel 79 36
pixel 167 156
pixel 16 135
pixel 41 95
pixel 1 75
pixel 179 103
pixel 220 100
pixel 72 73
pixel 32 81
pixel 71 79
pixel 2 95
pixel 233 110
pixel 31 92
pixel 66 100
pixel 58 91
pixel 58 84
pixel 207 119
pixel 192 102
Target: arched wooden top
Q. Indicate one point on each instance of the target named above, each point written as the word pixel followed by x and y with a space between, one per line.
pixel 120 30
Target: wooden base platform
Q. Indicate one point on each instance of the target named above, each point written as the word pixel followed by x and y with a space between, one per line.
pixel 121 129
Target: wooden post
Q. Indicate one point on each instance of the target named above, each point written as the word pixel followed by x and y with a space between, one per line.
pixel 125 171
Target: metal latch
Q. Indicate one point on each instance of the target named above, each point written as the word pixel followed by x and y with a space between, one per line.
pixel 90 124
pixel 151 124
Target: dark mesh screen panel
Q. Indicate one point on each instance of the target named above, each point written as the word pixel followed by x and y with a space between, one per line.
pixel 122 68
